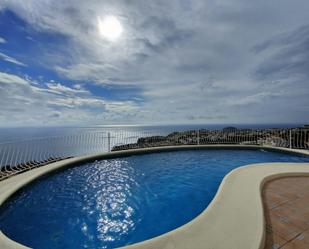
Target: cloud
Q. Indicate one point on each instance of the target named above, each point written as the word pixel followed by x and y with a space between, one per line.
pixel 88 71
pixel 11 60
pixel 61 89
pixel 2 40
pixel 55 115
pixel 6 78
pixel 255 99
pixel 190 60
pixel 285 56
pixel 23 102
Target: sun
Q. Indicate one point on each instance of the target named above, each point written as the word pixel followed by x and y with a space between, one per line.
pixel 110 28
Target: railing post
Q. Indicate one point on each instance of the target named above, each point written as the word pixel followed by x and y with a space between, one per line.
pixel 290 138
pixel 198 137
pixel 109 141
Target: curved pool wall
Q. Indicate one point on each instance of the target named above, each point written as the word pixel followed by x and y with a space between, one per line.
pixel 6 190
pixel 116 202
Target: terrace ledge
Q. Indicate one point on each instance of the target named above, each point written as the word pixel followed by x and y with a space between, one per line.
pixel 234 218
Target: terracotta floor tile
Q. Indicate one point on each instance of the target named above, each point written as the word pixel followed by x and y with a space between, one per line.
pixel 291 245
pixel 287 184
pixel 291 195
pixel 286 207
pixel 283 227
pixel 302 182
pixel 273 240
pixel 274 200
pixel 300 242
pixel 304 237
pixel 295 218
pixel 300 205
pixel 304 193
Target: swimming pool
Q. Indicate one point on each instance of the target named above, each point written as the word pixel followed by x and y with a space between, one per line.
pixel 116 202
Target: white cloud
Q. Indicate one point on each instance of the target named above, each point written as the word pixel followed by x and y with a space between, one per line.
pixel 59 88
pixel 189 59
pixel 2 40
pixel 11 59
pixel 255 99
pixel 25 103
pixel 6 78
pixel 88 71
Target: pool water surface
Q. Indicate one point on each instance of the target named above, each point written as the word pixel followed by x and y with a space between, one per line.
pixel 117 202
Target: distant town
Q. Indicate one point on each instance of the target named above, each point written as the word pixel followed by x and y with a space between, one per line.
pixel 278 137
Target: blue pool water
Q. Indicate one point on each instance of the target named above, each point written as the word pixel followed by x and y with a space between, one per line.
pixel 116 202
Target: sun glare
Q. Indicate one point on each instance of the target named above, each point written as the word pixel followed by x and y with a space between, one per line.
pixel 110 28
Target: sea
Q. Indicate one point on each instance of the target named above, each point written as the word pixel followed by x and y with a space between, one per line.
pixel 14 134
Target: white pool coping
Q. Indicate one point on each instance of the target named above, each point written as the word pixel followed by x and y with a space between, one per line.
pixel 233 220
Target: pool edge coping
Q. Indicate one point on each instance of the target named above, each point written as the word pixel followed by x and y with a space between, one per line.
pixel 190 233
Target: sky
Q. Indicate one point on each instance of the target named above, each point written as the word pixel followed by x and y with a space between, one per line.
pixel 174 62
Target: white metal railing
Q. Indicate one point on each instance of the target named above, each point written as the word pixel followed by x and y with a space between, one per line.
pixel 16 157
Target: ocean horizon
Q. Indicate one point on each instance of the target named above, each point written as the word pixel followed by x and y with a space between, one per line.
pixel 13 134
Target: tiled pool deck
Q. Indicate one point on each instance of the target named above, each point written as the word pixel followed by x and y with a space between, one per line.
pixel 286 204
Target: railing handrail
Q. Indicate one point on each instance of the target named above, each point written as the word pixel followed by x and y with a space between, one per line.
pixel 48 137
pixel 19 155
